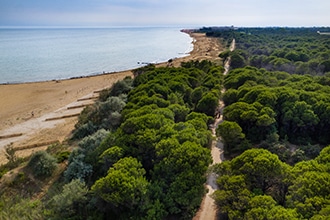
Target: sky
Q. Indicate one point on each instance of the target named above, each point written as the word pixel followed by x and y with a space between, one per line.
pixel 183 13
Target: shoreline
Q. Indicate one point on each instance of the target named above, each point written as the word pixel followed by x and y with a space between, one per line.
pixel 189 32
pixel 85 73
pixel 26 106
pixel 64 79
pixel 142 64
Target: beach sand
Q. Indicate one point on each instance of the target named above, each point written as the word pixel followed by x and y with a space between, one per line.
pixel 27 109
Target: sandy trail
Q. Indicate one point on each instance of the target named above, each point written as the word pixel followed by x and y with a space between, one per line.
pixel 51 99
pixel 208 210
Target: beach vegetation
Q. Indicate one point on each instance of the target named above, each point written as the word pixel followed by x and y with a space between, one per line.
pixel 69 201
pixel 118 88
pixel 163 138
pixel 143 150
pixel 13 160
pixel 16 207
pixel 106 112
pixel 77 168
pixel 42 164
pixel 10 153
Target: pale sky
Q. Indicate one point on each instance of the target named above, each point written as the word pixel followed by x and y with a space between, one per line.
pixel 183 13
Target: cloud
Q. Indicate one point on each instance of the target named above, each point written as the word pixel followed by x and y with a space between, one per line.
pixel 169 12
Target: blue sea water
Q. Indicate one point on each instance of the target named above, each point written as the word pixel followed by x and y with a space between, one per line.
pixel 39 54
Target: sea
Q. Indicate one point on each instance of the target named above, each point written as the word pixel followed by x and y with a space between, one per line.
pixel 42 54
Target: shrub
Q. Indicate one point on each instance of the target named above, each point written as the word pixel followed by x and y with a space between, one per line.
pixel 73 192
pixel 56 148
pixel 91 142
pixel 10 153
pixel 112 104
pixel 77 168
pixel 118 88
pixel 121 87
pixel 3 170
pixel 84 130
pixel 16 207
pixel 62 156
pixel 42 164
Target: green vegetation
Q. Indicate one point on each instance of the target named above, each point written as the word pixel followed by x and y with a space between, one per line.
pixel 124 188
pixel 13 160
pixel 154 164
pixel 143 149
pixel 293 50
pixel 270 103
pixel 42 164
pixel 257 185
pixel 72 195
pixel 19 208
pixel 276 124
pixel 140 152
pixel 265 103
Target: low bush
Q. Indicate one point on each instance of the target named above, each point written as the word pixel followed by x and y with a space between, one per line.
pixel 77 168
pixel 62 156
pixel 65 203
pixel 42 164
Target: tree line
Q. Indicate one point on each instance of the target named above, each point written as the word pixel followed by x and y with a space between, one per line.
pixel 276 125
pixel 142 150
pixel 270 106
pixel 293 50
pixel 258 185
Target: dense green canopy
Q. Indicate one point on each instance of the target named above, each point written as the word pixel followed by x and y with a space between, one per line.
pixel 152 162
pixel 277 98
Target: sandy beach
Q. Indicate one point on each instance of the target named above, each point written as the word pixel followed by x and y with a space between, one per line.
pixel 35 114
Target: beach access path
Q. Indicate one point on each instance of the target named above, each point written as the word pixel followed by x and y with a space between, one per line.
pixel 34 115
pixel 208 209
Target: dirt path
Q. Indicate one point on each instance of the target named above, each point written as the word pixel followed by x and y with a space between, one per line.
pixel 208 210
pixel 43 112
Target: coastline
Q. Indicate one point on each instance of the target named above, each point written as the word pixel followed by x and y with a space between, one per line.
pixel 189 32
pixel 28 104
pixel 68 53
